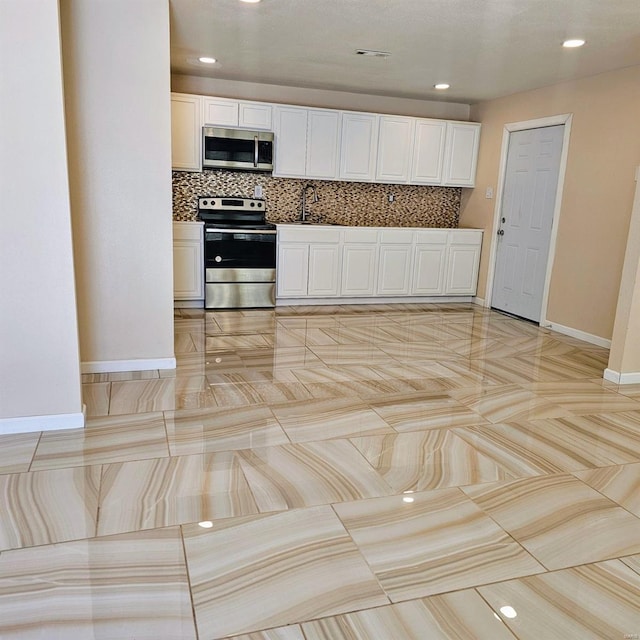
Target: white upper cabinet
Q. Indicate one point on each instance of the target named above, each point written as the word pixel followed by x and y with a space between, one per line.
pixel 322 144
pixel 461 154
pixel 221 112
pixel 290 142
pixel 253 115
pixel 428 152
pixel 358 146
pixel 395 139
pixel 185 132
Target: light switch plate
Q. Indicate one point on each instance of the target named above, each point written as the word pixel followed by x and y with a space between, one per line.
pixel 488 193
pixel 257 191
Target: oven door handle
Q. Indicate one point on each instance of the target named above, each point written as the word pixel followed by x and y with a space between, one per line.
pixel 260 231
pixel 255 151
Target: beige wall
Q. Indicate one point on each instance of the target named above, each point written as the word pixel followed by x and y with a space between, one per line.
pixel 39 371
pixel 319 98
pixel 598 192
pixel 117 91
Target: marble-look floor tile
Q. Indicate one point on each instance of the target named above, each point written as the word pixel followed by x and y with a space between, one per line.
pixel 158 493
pixel 222 429
pixel 324 374
pixel 182 343
pixel 164 394
pixel 118 376
pixel 327 419
pixel 240 341
pixel 633 562
pixel 438 542
pixel 592 602
pixel 418 411
pixel 454 616
pixel 560 520
pixel 296 565
pixel 41 507
pixel 129 586
pixel 507 403
pixel 423 460
pixel 620 484
pixel 305 475
pixel 413 370
pixel 584 397
pixel 418 351
pixel 16 451
pixel 279 392
pixel 103 440
pixel 96 398
pixel 350 354
pixel 292 632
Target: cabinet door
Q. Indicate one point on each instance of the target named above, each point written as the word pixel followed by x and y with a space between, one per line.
pixel 395 139
pixel 462 269
pixel 429 269
pixel 221 112
pixel 359 269
pixel 358 146
pixel 324 270
pixel 188 266
pixel 461 154
pixel 428 152
pixel 290 142
pixel 293 270
pixel 253 115
pixel 394 269
pixel 322 144
pixel 185 132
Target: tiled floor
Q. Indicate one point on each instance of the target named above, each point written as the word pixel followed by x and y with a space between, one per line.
pixel 334 473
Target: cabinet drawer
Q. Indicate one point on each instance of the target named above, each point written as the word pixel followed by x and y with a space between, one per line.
pixel 187 231
pixel 305 234
pixel 432 237
pixel 396 236
pixel 360 234
pixel 464 236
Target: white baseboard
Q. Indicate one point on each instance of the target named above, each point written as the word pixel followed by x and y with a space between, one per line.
pixel 479 301
pixel 282 302
pixel 111 366
pixel 188 304
pixel 576 333
pixel 621 378
pixel 28 424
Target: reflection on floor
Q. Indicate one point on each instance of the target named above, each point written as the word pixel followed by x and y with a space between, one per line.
pixel 355 472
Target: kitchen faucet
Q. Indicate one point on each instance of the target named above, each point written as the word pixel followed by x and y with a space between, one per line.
pixel 303 212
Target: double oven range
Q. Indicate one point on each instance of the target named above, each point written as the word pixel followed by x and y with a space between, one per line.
pixel 239 253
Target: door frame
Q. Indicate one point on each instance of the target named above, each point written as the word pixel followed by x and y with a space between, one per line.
pixel 509 128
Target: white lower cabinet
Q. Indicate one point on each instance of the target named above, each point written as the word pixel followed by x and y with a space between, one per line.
pixel 430 263
pixel 188 261
pixel 324 270
pixel 369 262
pixel 394 262
pixel 462 274
pixel 359 269
pixel 293 270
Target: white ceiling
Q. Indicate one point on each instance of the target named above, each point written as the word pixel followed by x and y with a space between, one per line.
pixel 483 48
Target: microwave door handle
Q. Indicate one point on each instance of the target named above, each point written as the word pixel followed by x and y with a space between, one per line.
pixel 255 151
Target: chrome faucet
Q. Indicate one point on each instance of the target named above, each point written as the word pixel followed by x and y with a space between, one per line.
pixel 303 211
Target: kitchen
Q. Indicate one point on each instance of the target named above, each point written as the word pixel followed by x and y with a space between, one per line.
pixel 89 227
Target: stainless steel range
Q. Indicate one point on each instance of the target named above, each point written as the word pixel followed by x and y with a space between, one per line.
pixel 239 253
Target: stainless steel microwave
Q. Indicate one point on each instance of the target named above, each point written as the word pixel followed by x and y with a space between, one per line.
pixel 237 149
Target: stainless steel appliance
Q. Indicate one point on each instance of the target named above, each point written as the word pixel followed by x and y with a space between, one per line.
pixel 239 253
pixel 237 149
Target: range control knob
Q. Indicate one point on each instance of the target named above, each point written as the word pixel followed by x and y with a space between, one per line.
pixel 218 258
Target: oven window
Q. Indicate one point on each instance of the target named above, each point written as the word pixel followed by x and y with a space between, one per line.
pixel 240 250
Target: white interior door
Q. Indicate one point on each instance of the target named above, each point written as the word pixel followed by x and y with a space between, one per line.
pixel 528 203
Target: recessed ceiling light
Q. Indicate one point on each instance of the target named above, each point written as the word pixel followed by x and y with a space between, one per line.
pixel 441 86
pixel 372 53
pixel 207 60
pixel 572 44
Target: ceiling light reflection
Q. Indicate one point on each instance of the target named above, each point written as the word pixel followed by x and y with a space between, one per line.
pixel 205 524
pixel 508 612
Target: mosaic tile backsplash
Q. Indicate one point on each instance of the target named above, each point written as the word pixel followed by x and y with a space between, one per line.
pixel 358 204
